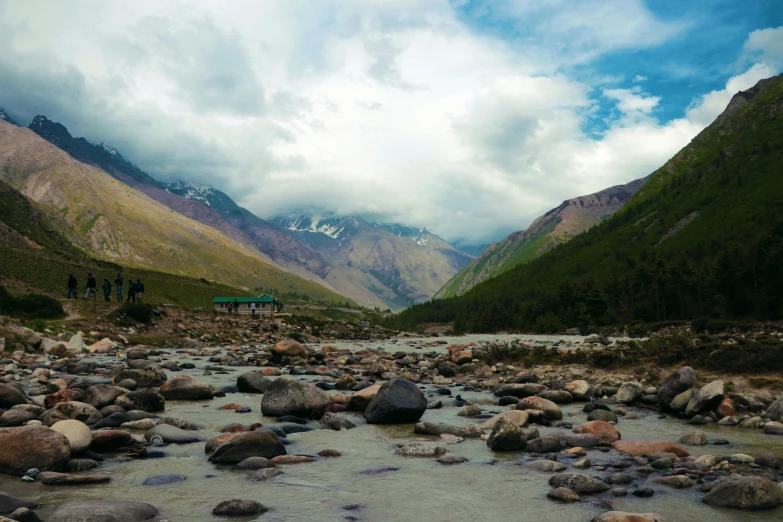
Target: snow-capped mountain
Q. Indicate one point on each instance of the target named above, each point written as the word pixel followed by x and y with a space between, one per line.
pixel 336 228
pixel 420 235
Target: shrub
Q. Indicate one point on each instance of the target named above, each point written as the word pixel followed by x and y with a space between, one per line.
pixel 141 313
pixel 30 306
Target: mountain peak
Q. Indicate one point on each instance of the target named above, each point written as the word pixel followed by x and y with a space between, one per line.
pixel 5 117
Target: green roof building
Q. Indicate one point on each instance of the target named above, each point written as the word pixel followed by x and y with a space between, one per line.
pixel 263 305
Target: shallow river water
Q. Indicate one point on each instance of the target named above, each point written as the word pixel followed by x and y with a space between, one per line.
pixel 491 486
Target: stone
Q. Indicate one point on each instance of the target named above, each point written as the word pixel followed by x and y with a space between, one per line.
pixel 136 353
pixel 65 395
pixel 290 348
pixel 773 428
pixel 620 478
pixel 449 460
pixel 506 436
pixel 81 465
pixel 362 398
pixel 416 449
pixel 544 445
pixel 238 506
pixel 145 399
pixel 579 389
pixel 448 369
pixel 624 516
pixel 680 402
pixel 28 447
pixel 770 460
pixel 101 395
pixel 578 483
pixel 602 415
pixel 576 440
pixel 676 383
pixel 707 397
pixel 248 444
pixel 14 417
pixel 601 429
pixel 78 434
pixel 519 390
pixel 345 382
pixel 745 493
pixel 264 474
pixel 52 478
pixel 151 377
pixel 253 382
pixel 518 417
pixel 172 434
pixel 431 428
pixel 71 410
pixel 10 396
pixel 557 396
pixel 254 463
pixel 141 424
pixel 9 504
pixel 694 438
pixel 649 447
pixel 105 345
pixel 285 396
pixel 550 409
pixel 774 412
pixel 563 495
pixel 161 480
pixel 110 440
pixel 469 411
pixel 546 466
pixel 397 402
pixel 726 408
pixel 629 392
pixel 103 511
pixel 675 481
pixel 185 388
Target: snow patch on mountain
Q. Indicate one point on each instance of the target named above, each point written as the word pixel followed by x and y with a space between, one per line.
pixel 192 191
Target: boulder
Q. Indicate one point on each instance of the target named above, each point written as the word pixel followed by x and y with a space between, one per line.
pixel 546 466
pixel 649 447
pixel 602 415
pixel 431 428
pixel 745 493
pixel 518 417
pixel 563 495
pixel 103 511
pixel 102 395
pixel 576 440
pixel 248 444
pixel 10 396
pixel 254 463
pixel 707 397
pixel 680 402
pixel 71 410
pixel 726 408
pixel 14 417
pixel 601 429
pixel 52 478
pixel 285 396
pixel 676 383
pixel 172 434
pixel 506 436
pixel 397 402
pixel 557 396
pixel 578 483
pixel 675 481
pixel 76 343
pixel 345 382
pixel 9 504
pixel 362 398
pixel 150 377
pixel 694 438
pixel 579 389
pixel 417 449
pixel 30 447
pixel 136 353
pixel 105 345
pixel 290 348
pixel 623 516
pixel 544 445
pixel 145 399
pixel 629 392
pixel 519 390
pixel 185 388
pixel 253 382
pixel 238 506
pixel 550 409
pixel 78 434
pixel 774 412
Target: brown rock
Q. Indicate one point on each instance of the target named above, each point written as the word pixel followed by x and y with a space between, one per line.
pixel 603 430
pixel 623 516
pixel 32 447
pixel 649 447
pixel 110 440
pixel 726 408
pixel 67 395
pixel 290 348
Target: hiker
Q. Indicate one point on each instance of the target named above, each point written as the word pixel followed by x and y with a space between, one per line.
pixel 106 289
pixel 236 306
pixel 92 287
pixel 131 291
pixel 229 306
pixel 118 284
pixel 253 309
pixel 72 282
pixel 139 290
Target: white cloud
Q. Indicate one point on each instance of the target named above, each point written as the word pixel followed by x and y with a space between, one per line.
pixel 395 109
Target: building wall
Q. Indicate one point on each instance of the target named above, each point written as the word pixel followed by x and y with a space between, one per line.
pixel 244 309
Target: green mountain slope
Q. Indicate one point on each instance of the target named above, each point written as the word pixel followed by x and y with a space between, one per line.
pixel 113 221
pixel 703 237
pixel 559 225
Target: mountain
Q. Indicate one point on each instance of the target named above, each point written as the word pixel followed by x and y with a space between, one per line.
pixel 703 238
pixel 470 249
pixel 409 264
pixel 559 225
pixel 5 117
pixel 113 221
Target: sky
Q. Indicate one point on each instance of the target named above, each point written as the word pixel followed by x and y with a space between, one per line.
pixel 468 117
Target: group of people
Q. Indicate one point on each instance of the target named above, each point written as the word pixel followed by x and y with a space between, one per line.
pixel 135 290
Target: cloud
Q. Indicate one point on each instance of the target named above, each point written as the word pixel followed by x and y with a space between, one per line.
pixel 466 117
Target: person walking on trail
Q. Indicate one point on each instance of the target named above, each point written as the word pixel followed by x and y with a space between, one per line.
pixel 139 290
pixel 106 289
pixel 236 306
pixel 72 283
pixel 92 287
pixel 131 291
pixel 253 309
pixel 118 284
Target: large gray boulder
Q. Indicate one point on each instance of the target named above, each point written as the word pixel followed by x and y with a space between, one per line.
pixel 285 396
pixel 150 377
pixel 775 410
pixel 185 388
pixel 675 384
pixel 71 410
pixel 707 397
pixel 145 399
pixel 629 392
pixel 745 493
pixel 578 483
pixel 397 402
pixel 101 395
pixel 253 382
pixel 10 396
pixel 103 511
pixel 260 443
pixel 506 436
pixel 523 390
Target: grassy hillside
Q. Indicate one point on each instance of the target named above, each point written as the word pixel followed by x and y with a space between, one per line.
pixel 115 222
pixel 557 226
pixel 703 238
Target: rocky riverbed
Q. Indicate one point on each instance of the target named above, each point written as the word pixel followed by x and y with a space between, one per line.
pixel 397 429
